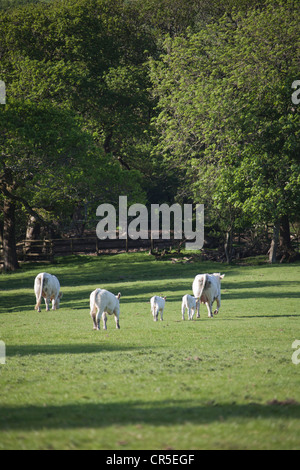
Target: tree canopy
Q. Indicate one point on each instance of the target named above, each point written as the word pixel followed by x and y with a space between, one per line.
pixel 161 101
pixel 226 117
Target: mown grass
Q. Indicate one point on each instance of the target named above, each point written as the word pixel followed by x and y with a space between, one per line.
pixel 222 383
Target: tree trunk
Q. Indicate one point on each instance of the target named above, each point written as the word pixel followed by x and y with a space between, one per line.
pixel 285 245
pixel 33 231
pixel 9 237
pixel 228 246
pixel 1 232
pixel 274 243
pixel 287 251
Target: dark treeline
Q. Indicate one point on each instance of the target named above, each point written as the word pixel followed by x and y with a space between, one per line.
pixel 189 101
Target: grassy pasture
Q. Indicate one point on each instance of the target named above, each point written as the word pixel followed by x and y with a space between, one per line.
pixel 222 383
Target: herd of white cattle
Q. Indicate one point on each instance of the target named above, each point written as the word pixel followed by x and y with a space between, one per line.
pixel 206 289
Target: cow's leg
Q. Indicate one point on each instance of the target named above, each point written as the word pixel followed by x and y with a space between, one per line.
pixel 198 308
pixel 209 307
pixel 183 311
pixel 93 315
pixel 47 301
pixel 155 313
pixel 161 314
pixel 192 313
pixel 117 321
pixel 37 307
pixel 98 316
pixel 218 299
pixel 104 318
pixel 53 304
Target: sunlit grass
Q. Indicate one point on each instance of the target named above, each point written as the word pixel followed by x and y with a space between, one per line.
pixel 227 382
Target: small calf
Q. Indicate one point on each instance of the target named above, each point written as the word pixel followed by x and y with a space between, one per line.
pixel 102 303
pixel 157 305
pixel 190 303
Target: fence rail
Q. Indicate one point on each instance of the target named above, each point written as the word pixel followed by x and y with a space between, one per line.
pixel 47 250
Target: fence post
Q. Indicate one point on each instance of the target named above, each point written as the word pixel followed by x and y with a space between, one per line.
pixel 24 249
pixel 51 250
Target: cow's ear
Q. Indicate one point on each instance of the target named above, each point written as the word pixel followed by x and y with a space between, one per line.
pixel 222 276
pixel 119 295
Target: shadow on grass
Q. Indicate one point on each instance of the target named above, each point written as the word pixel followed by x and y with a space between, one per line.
pixel 156 413
pixel 76 271
pixel 49 349
pixel 10 303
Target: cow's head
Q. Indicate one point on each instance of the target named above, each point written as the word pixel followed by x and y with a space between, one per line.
pixel 219 276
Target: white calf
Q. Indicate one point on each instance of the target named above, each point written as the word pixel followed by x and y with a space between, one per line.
pixel 48 287
pixel 157 305
pixel 102 303
pixel 189 303
pixel 207 289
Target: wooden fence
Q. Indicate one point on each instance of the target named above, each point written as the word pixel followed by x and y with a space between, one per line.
pixel 47 250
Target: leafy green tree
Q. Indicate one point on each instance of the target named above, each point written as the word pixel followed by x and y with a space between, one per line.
pixel 88 55
pixel 49 165
pixel 226 115
pixel 62 69
pixel 43 155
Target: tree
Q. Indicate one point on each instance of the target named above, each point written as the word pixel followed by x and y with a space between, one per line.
pixel 48 165
pixel 226 115
pixel 87 55
pixel 62 101
pixel 43 155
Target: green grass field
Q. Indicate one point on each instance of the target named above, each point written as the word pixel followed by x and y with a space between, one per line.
pixel 222 383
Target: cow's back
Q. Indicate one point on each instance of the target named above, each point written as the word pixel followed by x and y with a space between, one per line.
pixel 157 301
pixel 106 301
pixel 49 283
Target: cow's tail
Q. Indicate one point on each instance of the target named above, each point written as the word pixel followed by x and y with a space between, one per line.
pixel 93 301
pixel 40 293
pixel 202 288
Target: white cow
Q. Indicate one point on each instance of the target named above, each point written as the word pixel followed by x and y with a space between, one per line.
pixel 157 305
pixel 102 303
pixel 190 303
pixel 47 286
pixel 207 289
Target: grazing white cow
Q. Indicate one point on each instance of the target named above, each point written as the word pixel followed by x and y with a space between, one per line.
pixel 157 305
pixel 190 303
pixel 47 286
pixel 207 289
pixel 102 303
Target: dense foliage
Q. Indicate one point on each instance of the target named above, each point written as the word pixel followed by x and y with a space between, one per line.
pixel 159 100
